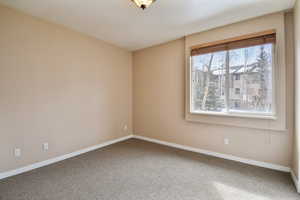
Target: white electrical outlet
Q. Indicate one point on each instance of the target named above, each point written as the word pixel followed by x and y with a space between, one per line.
pixel 125 128
pixel 226 141
pixel 46 146
pixel 17 152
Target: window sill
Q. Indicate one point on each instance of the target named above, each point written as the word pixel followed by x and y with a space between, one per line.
pixel 236 114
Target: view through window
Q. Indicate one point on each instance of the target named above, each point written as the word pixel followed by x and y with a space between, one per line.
pixel 237 80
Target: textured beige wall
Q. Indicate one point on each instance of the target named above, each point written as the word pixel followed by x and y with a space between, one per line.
pixel 58 86
pixel 296 153
pixel 159 107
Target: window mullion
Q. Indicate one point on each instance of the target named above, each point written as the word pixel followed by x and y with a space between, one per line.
pixel 227 81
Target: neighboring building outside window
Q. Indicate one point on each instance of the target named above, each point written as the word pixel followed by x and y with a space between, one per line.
pixel 234 80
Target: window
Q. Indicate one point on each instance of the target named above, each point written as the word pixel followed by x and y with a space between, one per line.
pixel 234 77
pixel 237 77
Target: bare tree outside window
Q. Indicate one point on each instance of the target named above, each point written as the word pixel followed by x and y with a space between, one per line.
pixel 237 80
pixel 208 93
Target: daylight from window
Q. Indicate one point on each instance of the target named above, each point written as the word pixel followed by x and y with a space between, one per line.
pixel 233 81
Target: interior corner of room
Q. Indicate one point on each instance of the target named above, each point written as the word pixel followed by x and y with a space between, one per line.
pixel 77 99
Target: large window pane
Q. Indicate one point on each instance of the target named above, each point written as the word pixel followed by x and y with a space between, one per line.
pixel 238 80
pixel 250 88
pixel 208 82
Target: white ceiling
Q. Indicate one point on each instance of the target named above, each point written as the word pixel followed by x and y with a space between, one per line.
pixel 121 23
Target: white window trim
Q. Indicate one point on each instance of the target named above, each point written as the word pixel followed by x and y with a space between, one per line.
pixel 276 121
pixel 236 114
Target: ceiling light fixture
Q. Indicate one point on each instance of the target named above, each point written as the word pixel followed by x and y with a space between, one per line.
pixel 143 3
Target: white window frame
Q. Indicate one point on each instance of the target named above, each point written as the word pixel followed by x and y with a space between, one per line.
pixel 244 30
pixel 242 114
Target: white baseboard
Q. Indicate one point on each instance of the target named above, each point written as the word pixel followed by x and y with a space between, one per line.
pixel 60 158
pixel 215 154
pixel 296 182
pixel 225 156
pixel 183 147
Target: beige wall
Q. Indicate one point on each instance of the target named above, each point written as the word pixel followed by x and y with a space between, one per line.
pixel 159 105
pixel 296 153
pixel 74 91
pixel 58 86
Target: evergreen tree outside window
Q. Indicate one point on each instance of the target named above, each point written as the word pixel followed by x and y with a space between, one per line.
pixel 233 80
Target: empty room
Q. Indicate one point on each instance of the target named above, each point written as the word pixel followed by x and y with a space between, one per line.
pixel 149 100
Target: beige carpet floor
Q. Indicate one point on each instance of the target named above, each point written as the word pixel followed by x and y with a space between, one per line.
pixel 138 170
